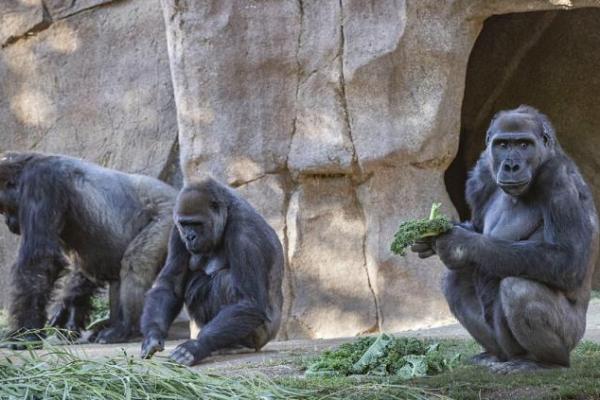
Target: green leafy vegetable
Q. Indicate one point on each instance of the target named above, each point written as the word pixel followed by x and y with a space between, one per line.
pixel 384 355
pixel 411 231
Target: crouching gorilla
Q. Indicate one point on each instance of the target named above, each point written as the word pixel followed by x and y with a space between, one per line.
pixel 519 273
pixel 226 264
pixel 115 227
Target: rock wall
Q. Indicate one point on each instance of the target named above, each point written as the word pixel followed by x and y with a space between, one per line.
pixel 89 79
pixel 347 113
pixel 336 118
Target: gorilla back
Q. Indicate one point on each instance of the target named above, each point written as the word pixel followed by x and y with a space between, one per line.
pixel 520 271
pixel 113 225
pixel 226 264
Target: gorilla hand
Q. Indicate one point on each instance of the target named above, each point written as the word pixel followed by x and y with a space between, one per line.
pixel 425 247
pixel 451 246
pixel 151 345
pixel 189 353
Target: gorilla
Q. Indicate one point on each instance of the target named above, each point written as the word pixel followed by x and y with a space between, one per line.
pixel 112 226
pixel 519 273
pixel 226 264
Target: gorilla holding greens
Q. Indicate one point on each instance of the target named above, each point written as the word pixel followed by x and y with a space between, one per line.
pixel 519 273
pixel 113 226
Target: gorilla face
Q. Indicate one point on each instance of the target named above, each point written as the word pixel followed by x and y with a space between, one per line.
pixel 195 231
pixel 516 148
pixel 200 221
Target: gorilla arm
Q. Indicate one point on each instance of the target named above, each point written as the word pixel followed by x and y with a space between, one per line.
pixel 165 300
pixel 561 260
pixel 40 257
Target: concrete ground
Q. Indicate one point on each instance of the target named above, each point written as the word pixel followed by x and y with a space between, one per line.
pixel 282 358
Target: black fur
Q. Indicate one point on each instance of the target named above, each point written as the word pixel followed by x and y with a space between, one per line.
pixel 519 276
pixel 225 264
pixel 113 225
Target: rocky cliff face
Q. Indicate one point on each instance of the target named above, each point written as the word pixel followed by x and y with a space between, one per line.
pixel 336 118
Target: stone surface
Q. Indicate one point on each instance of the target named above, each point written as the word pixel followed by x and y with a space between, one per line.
pixel 321 142
pixel 64 8
pixel 367 98
pixel 95 85
pixel 20 17
pixel 234 72
pixel 407 288
pixel 328 274
pixel 356 107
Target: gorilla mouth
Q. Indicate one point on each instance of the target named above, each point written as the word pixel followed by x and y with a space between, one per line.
pixel 514 187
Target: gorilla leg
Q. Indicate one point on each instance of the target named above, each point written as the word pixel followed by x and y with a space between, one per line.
pixel 140 265
pixel 542 321
pixel 75 303
pixel 459 290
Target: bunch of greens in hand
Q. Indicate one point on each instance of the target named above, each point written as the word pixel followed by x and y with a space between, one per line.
pixel 411 231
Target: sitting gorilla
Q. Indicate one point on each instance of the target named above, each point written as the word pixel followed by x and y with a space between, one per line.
pixel 114 227
pixel 226 264
pixel 520 271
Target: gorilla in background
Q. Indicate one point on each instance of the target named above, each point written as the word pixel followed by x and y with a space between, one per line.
pixel 226 264
pixel 519 273
pixel 114 226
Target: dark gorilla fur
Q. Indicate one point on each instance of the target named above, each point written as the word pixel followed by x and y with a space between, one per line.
pixel 519 277
pixel 113 226
pixel 226 264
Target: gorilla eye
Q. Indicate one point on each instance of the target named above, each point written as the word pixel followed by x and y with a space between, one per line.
pixel 524 145
pixel 502 143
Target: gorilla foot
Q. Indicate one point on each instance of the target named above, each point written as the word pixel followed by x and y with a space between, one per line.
pixel 114 334
pixel 485 359
pixel 518 366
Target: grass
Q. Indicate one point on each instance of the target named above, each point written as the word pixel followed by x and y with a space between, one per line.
pixel 59 372
pixel 581 381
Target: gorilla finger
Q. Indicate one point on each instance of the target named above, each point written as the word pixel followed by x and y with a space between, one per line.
pixel 420 247
pixel 426 254
pixel 182 356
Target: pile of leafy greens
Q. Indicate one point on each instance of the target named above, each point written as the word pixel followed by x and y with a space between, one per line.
pixel 383 356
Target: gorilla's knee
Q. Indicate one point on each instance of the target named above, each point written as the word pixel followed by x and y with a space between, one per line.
pixel 516 292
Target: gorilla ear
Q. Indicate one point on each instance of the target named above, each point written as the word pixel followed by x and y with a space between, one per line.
pixel 547 134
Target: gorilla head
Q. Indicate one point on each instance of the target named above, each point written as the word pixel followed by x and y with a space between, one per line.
pixel 200 217
pixel 518 142
pixel 11 166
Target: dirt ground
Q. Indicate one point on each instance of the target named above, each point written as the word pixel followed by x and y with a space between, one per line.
pixel 283 358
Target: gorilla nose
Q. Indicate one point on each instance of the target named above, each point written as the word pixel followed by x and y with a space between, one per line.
pixel 511 166
pixel 190 237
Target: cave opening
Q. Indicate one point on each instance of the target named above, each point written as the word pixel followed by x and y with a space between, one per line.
pixel 549 60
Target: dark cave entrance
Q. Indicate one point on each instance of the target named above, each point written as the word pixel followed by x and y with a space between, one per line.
pixel 549 60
